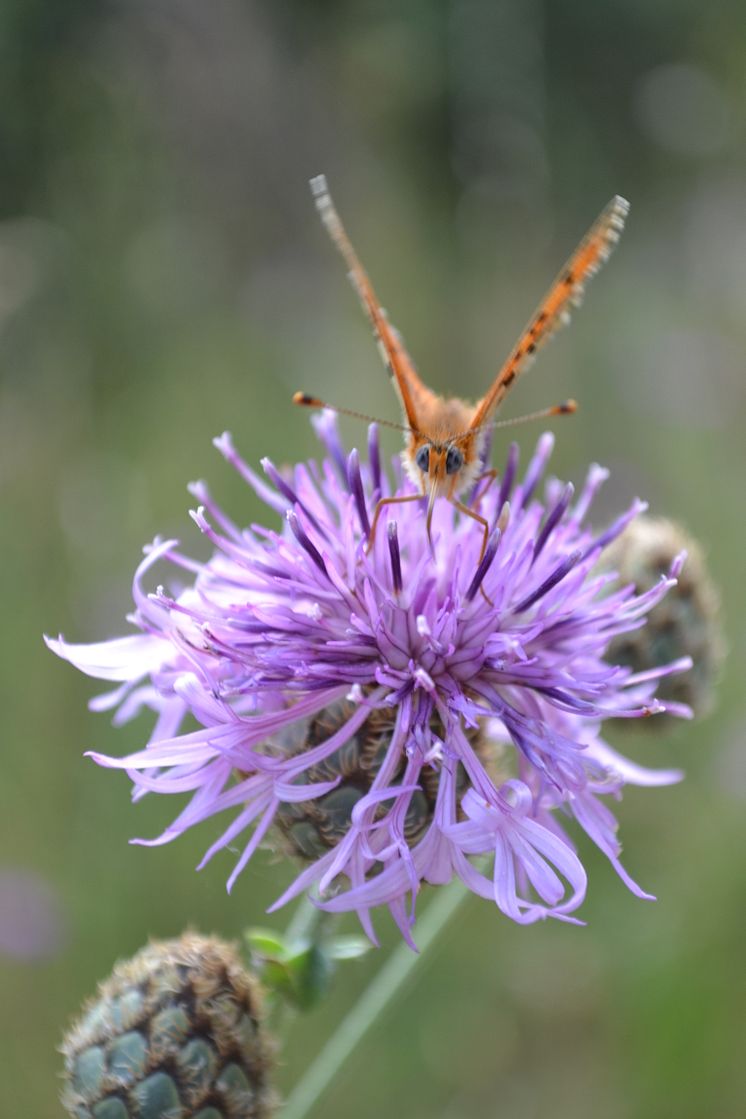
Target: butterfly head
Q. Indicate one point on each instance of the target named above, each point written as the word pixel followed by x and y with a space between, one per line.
pixel 438 462
pixel 441 469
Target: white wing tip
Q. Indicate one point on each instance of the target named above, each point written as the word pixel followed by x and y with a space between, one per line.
pixel 617 213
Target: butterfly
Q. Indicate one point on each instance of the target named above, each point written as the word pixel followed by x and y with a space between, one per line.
pixel 445 436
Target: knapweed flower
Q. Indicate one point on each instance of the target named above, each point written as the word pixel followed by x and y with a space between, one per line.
pixel 398 713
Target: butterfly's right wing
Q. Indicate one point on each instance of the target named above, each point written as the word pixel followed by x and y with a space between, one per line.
pixel 413 394
pixel 566 290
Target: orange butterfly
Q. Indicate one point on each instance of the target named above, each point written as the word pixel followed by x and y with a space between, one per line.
pixel 445 437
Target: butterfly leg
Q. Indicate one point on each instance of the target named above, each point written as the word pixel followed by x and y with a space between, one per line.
pixel 490 475
pixel 475 517
pixel 379 507
pixel 485 536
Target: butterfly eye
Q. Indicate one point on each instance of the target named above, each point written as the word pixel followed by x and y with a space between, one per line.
pixel 454 460
pixel 422 458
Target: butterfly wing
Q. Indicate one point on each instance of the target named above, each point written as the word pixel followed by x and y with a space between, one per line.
pixel 553 311
pixel 414 395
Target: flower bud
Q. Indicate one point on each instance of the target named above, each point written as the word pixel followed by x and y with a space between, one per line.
pixel 175 1031
pixel 685 623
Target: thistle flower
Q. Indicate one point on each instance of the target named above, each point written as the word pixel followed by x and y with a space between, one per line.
pixel 176 1030
pixel 482 682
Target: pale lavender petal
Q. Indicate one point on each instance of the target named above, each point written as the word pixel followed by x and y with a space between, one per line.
pixel 259 834
pixel 630 772
pixel 122 658
pixel 600 824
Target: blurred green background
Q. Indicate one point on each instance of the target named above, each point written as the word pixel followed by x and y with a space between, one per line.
pixel 163 276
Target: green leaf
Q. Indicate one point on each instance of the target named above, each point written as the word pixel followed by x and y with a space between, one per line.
pixel 300 971
pixel 348 947
pixel 311 970
pixel 266 943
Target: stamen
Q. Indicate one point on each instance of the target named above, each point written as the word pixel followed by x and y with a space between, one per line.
pixel 356 488
pixel 200 490
pixel 395 556
pixel 288 492
pixel 298 532
pixel 374 457
pixel 536 467
pixel 265 493
pixel 617 528
pixel 556 577
pixel 504 519
pixel 325 427
pixel 484 564
pixel 553 519
pixel 509 476
pixel 596 477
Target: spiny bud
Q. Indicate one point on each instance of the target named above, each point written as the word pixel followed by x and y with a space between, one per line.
pixel 311 828
pixel 685 623
pixel 176 1031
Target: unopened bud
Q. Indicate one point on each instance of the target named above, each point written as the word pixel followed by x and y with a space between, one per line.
pixel 685 623
pixel 175 1031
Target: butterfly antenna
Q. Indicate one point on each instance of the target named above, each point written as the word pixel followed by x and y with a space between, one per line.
pixel 306 401
pixel 566 408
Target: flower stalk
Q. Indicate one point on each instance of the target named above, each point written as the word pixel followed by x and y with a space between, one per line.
pixel 387 985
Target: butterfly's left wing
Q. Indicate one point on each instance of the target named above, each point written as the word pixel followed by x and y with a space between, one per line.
pixel 553 311
pixel 413 393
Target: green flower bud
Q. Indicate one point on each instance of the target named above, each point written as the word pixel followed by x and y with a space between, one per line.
pixel 174 1032
pixel 685 623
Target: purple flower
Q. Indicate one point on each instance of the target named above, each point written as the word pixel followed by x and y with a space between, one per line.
pixel 485 682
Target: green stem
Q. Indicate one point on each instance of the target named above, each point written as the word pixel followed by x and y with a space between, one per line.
pixel 387 984
pixel 309 923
